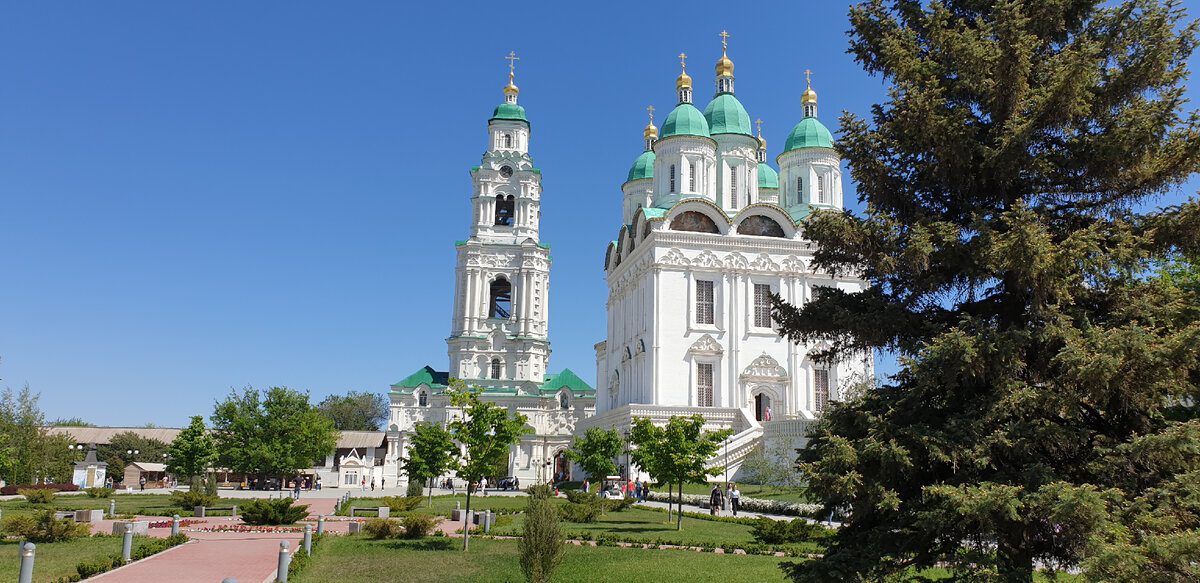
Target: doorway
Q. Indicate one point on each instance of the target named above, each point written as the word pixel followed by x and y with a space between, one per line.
pixel 762 408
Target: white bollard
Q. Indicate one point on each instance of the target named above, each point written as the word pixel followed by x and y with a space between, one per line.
pixel 284 558
pixel 308 538
pixel 175 525
pixel 320 524
pixel 112 508
pixel 127 542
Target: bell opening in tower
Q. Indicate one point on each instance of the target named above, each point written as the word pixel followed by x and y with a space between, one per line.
pixel 504 210
pixel 501 299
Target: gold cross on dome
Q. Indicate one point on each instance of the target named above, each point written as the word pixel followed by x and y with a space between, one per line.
pixel 512 58
pixel 807 79
pixel 650 108
pixel 724 37
pixel 758 122
pixel 682 58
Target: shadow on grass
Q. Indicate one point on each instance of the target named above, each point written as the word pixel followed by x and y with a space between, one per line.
pixel 428 544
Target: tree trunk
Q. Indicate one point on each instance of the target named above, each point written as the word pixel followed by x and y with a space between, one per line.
pixel 679 513
pixel 669 501
pixel 467 517
pixel 1015 561
pixel 431 492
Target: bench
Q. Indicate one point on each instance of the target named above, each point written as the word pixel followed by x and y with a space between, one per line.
pixel 381 511
pixel 198 511
pixel 60 514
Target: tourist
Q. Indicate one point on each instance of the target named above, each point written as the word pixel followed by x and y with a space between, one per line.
pixel 381 480
pixel 318 482
pixel 362 484
pixel 142 482
pixel 372 483
pixel 715 500
pixel 735 498
pixel 585 485
pixel 296 488
pixel 645 490
pixel 637 489
pixel 483 485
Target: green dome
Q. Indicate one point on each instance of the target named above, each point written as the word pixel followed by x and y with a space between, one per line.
pixel 643 167
pixel 767 177
pixel 809 133
pixel 726 115
pixel 685 120
pixel 509 111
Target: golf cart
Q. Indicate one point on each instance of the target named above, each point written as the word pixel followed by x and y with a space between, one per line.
pixel 610 487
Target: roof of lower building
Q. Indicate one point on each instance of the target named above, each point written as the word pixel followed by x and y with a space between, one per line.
pixel 767 177
pixel 425 375
pixel 567 379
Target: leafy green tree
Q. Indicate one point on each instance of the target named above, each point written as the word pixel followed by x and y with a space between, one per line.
pixel 431 452
pixel 1007 256
pixel 596 450
pixel 355 411
pixel 33 454
pixel 677 452
pixel 273 433
pixel 486 431
pixel 70 422
pixel 192 452
pixel 116 454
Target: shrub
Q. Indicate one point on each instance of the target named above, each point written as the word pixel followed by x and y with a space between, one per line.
pixel 17 524
pixel 580 497
pixel 99 492
pixel 415 488
pixel 382 528
pixel 618 505
pixel 43 527
pixel 37 495
pixel 401 503
pixel 10 490
pixel 542 545
pixel 775 532
pixel 102 565
pixel 273 512
pixel 189 499
pixel 210 486
pixel 586 512
pixel 539 491
pixel 418 525
pixel 150 547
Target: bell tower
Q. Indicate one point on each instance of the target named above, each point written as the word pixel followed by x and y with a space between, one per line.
pixel 499 335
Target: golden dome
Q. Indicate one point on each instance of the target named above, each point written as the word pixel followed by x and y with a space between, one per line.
pixel 683 80
pixel 511 87
pixel 724 66
pixel 809 96
pixel 651 131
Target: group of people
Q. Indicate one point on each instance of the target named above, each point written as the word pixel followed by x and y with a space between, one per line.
pixel 717 499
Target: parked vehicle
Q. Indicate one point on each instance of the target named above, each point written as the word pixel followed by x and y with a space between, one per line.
pixel 508 483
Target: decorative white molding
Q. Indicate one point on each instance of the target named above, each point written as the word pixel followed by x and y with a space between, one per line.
pixel 706 344
pixel 765 368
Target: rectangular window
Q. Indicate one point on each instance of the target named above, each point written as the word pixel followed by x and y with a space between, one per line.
pixel 820 389
pixel 821 190
pixel 733 193
pixel 762 305
pixel 692 178
pixel 799 189
pixel 672 173
pixel 704 302
pixel 704 384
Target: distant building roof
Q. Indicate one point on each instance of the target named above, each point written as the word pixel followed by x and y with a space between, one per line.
pixel 104 435
pixel 350 439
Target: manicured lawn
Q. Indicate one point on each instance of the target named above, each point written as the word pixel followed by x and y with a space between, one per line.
pixel 356 558
pixel 150 504
pixel 792 494
pixel 442 505
pixel 55 560
pixel 641 524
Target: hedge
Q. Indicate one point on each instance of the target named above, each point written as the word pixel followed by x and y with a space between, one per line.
pixel 11 490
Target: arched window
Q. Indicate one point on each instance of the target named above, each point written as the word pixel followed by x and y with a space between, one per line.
pixel 422 399
pixel 504 210
pixel 495 368
pixel 563 403
pixel 761 226
pixel 507 140
pixel 672 175
pixel 694 221
pixel 500 304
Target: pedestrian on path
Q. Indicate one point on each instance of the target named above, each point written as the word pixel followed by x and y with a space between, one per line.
pixel 362 484
pixel 735 498
pixel 372 483
pixel 715 500
pixel 296 488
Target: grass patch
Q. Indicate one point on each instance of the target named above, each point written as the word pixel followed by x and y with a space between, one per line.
pixel 355 558
pixel 442 505
pixel 55 560
pixel 145 504
pixel 784 494
pixel 642 523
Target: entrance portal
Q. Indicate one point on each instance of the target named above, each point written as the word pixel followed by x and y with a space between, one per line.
pixel 562 468
pixel 762 407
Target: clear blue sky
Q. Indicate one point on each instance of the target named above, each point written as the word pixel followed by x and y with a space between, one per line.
pixel 198 197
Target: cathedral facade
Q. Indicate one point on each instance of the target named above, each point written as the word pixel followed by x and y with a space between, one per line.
pixel 499 333
pixel 708 231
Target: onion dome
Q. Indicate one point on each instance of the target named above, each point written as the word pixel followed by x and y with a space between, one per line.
pixel 685 120
pixel 509 111
pixel 809 133
pixel 767 177
pixel 643 166
pixel 725 115
pixel 683 81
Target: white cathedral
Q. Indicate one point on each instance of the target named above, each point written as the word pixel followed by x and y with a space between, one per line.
pixel 708 231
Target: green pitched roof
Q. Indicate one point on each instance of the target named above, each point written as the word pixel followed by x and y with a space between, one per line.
pixel 567 379
pixel 725 115
pixel 426 375
pixel 685 120
pixel 643 166
pixel 809 133
pixel 510 111
pixel 653 213
pixel 767 177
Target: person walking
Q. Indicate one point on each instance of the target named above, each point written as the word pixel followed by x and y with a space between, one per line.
pixel 142 482
pixel 362 484
pixel 296 488
pixel 735 498
pixel 637 490
pixel 372 483
pixel 715 500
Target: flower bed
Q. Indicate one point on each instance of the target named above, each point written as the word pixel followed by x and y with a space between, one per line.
pixel 248 528
pixel 182 522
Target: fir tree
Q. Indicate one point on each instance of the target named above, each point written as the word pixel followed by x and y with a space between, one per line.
pixel 1045 413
